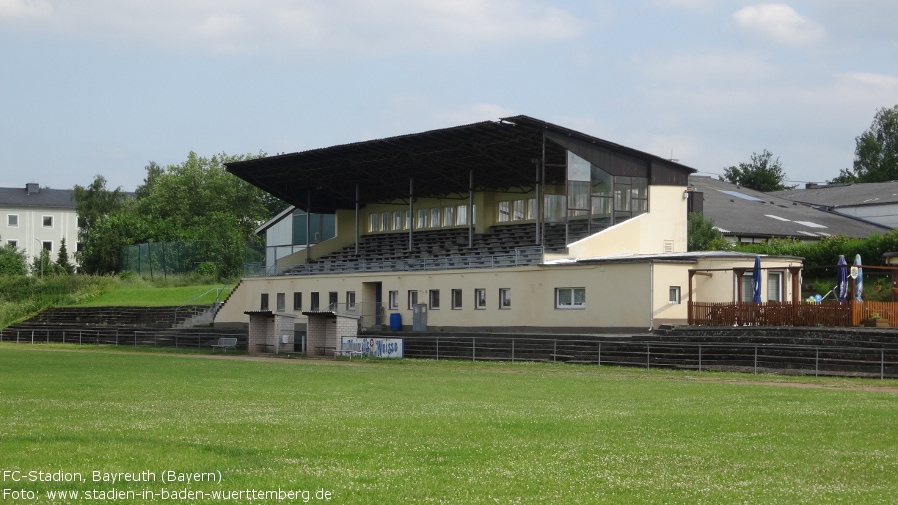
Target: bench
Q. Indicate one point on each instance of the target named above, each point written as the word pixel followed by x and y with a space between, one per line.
pixel 225 343
pixel 353 349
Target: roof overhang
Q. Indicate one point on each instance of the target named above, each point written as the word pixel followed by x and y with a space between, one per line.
pixel 505 155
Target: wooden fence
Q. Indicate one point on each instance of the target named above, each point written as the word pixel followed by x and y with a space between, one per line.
pixel 831 314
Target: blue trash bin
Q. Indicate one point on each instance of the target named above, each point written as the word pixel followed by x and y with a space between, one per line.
pixel 396 322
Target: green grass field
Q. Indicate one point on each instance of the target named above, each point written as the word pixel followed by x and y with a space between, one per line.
pixel 142 296
pixel 439 432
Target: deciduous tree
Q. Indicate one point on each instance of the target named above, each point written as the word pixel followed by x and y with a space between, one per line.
pixel 762 174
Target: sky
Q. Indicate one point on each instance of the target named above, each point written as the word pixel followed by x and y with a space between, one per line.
pixel 104 87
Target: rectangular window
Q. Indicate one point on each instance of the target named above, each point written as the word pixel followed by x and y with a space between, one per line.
pixel 774 286
pixel 434 299
pixel 479 298
pixel 505 298
pixel 263 304
pixel 47 245
pixel 448 216
pixel 456 299
pixel 350 300
pixel 748 290
pixel 461 217
pixel 297 301
pixel 435 217
pixel 532 211
pixel 14 243
pixel 12 220
pixel 412 299
pixel 281 302
pixel 385 221
pixel 373 223
pixel 570 298
pixel 397 220
pixel 394 300
pixel 674 295
pixel 518 210
pixel 332 300
pixel 48 221
pixel 314 302
pixel 422 219
pixel 504 212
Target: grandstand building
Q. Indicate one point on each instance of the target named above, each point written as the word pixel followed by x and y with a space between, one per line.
pixel 509 225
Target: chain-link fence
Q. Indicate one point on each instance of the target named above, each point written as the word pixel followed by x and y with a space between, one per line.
pixel 160 259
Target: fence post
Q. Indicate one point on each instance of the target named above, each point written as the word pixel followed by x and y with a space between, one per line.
pixel 473 348
pixel 554 349
pixel 438 348
pixel 48 336
pixel 116 338
pixel 882 364
pixel 699 357
pixel 600 354
pixel 512 350
pixel 816 361
pixel 32 337
pixel 135 338
pixel 648 355
pixel 756 360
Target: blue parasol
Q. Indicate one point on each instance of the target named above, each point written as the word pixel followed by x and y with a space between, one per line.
pixel 842 279
pixel 859 280
pixel 756 281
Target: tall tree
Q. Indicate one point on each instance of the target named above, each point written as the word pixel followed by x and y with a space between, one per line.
pixel 762 174
pixel 95 204
pixel 62 258
pixel 876 150
pixel 701 235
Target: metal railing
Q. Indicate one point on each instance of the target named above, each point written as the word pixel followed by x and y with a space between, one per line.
pixel 752 358
pixel 120 337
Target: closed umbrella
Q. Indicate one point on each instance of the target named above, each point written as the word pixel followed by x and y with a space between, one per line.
pixel 859 280
pixel 756 281
pixel 842 279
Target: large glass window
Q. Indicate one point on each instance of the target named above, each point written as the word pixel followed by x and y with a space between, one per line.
pixel 462 215
pixel 412 299
pixel 422 219
pixel 504 212
pixel 448 216
pixel 373 223
pixel 435 217
pixel 518 210
pixel 397 220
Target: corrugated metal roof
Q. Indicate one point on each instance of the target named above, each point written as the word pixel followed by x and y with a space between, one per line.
pixel 765 215
pixel 845 195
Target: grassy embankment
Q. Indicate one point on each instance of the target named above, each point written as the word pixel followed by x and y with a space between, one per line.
pixel 443 432
pixel 22 297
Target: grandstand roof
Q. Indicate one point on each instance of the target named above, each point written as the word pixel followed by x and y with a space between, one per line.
pixel 503 155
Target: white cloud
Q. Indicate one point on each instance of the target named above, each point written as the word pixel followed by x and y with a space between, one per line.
pixel 317 26
pixel 779 23
pixel 24 8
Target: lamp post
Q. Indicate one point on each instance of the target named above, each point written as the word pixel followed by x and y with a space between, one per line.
pixel 40 252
